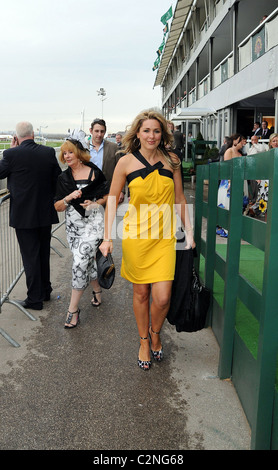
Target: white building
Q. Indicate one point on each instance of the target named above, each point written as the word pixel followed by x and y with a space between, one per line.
pixel 219 68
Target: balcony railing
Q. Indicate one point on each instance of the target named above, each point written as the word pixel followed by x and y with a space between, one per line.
pixel 259 41
pixel 224 70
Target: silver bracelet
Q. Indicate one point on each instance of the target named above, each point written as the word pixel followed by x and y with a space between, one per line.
pixel 65 202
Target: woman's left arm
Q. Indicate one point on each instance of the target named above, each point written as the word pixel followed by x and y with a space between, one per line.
pixel 182 208
pixel 88 205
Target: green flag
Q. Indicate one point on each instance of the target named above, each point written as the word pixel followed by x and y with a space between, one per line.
pixel 161 47
pixel 166 16
pixel 165 29
pixel 156 62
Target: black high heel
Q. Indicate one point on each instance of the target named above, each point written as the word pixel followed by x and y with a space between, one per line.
pixel 70 325
pixel 157 355
pixel 95 302
pixel 144 365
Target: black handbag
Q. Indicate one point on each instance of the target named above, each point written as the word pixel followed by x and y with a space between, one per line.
pixel 190 299
pixel 105 269
pixel 196 315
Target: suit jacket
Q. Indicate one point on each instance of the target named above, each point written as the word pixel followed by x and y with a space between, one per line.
pixel 257 131
pixel 32 171
pixel 110 159
pixel 179 140
pixel 268 133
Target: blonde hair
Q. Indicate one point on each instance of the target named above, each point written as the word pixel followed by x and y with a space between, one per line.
pixel 170 124
pixel 271 137
pixel 130 142
pixel 83 155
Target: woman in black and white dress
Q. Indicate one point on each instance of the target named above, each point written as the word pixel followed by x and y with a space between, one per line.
pixel 81 192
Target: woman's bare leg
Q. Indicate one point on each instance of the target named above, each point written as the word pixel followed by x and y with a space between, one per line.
pixel 141 298
pixel 97 289
pixel 74 303
pixel 161 297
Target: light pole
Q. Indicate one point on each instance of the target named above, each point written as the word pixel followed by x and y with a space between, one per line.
pixel 82 120
pixel 102 93
pixel 41 127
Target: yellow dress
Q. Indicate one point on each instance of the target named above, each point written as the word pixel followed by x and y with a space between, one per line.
pixel 149 225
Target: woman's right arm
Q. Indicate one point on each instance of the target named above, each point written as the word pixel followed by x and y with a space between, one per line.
pixel 118 182
pixel 62 204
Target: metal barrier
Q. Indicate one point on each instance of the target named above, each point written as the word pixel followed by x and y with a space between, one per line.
pixel 61 216
pixel 3 183
pixel 244 317
pixel 11 267
pixel 10 263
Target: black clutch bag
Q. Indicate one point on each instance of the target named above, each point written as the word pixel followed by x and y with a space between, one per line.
pixel 105 269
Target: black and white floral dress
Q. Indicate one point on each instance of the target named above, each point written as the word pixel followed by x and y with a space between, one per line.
pixel 84 235
pixel 84 229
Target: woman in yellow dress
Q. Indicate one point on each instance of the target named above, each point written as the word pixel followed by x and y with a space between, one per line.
pixel 154 180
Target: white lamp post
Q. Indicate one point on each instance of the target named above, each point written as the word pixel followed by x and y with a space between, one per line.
pixel 102 93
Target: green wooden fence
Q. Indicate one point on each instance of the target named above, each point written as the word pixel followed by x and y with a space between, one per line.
pixel 243 316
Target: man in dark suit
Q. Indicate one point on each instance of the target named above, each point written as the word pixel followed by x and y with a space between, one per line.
pixel 103 153
pixel 32 172
pixel 257 130
pixel 265 131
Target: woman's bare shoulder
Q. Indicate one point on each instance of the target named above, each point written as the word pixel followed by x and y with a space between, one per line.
pixel 126 159
pixel 124 162
pixel 228 154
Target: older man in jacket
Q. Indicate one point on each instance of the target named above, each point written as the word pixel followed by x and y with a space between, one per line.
pixel 32 172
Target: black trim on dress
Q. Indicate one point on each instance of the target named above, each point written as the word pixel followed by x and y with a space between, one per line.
pixel 143 172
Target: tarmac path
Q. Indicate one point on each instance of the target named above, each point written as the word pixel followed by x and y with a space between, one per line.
pixel 82 389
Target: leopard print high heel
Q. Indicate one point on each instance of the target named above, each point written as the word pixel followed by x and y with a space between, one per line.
pixel 144 365
pixel 157 355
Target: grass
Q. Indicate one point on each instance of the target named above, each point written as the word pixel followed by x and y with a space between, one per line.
pixel 251 267
pixel 49 143
pixel 53 144
pixel 4 145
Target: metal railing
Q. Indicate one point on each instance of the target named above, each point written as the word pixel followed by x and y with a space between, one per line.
pixel 61 216
pixel 11 266
pixel 10 263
